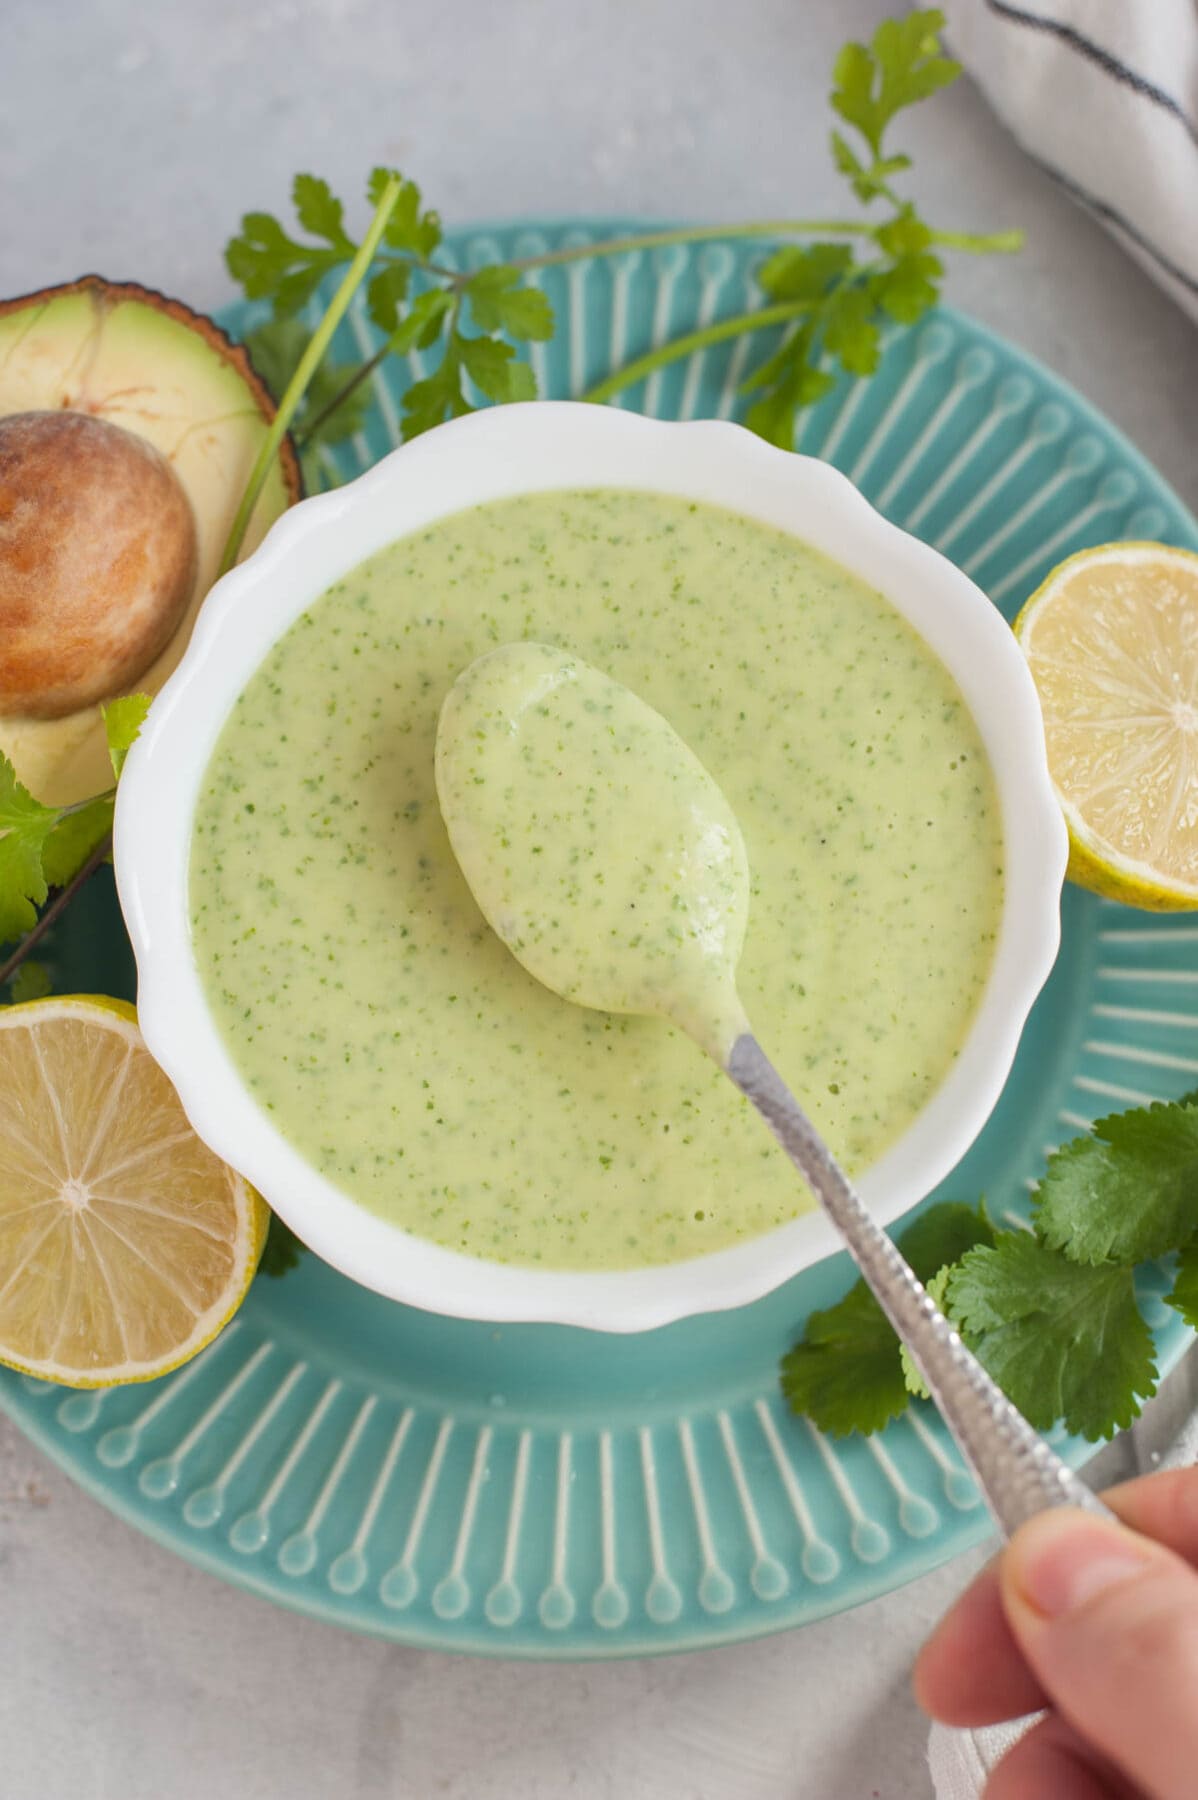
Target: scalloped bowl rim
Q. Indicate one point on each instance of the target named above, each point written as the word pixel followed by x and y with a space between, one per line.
pixel 536 447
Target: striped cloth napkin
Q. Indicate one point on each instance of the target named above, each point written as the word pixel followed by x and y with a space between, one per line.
pixel 1103 95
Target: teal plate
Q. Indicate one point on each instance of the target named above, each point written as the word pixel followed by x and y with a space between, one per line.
pixel 543 1492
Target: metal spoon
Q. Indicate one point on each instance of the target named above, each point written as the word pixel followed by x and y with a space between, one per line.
pixel 1017 1472
pixel 570 803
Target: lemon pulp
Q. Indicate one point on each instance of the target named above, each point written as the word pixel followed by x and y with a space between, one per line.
pixel 1112 642
pixel 125 1244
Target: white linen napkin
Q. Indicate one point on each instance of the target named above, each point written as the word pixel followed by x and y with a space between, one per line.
pixel 1103 94
pixel 961 1761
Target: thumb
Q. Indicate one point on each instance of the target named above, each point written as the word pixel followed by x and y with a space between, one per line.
pixel 1108 1622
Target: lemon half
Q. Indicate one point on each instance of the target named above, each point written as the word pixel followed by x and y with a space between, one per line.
pixel 125 1244
pixel 1111 639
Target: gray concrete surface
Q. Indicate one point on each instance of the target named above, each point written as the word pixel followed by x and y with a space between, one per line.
pixel 131 138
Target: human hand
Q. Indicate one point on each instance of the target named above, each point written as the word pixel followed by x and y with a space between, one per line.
pixel 1096 1622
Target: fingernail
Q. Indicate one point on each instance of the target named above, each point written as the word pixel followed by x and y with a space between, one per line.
pixel 1063 1559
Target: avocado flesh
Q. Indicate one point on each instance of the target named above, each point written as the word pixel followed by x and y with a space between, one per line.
pixel 150 365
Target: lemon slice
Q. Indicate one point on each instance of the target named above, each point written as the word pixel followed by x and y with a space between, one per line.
pixel 125 1244
pixel 1112 642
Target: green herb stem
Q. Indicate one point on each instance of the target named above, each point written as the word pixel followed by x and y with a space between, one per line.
pixel 977 243
pixel 438 271
pixel 697 234
pixel 362 373
pixel 692 341
pixel 1004 243
pixel 78 806
pixel 308 364
pixel 55 909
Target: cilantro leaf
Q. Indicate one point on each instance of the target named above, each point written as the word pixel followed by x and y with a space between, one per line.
pixel 910 287
pixel 846 1374
pixel 867 183
pixel 123 720
pixel 1064 1340
pixel 913 1381
pixel 849 164
pixel 1128 1192
pixel 408 228
pixel 19 811
pixel 907 52
pixel 795 383
pixel 496 370
pixel 386 292
pixel 850 333
pixel 282 1249
pixel 790 356
pixel 853 95
pixel 1185 1289
pixel 500 302
pixel 438 396
pixel 30 982
pixel 521 382
pixel 275 350
pixel 25 824
pixel 73 838
pixel 43 847
pixel 22 887
pixel 942 1235
pixel 297 289
pixel 272 266
pixel 905 234
pixel 901 66
pixel 261 255
pixel 425 321
pixel 799 272
pixel 319 213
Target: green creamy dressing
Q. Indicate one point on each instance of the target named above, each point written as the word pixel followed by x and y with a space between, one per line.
pixel 390 1035
pixel 596 844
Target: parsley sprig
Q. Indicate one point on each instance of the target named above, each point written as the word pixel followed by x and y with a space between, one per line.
pixel 282 1250
pixel 1051 1311
pixel 832 297
pixel 45 848
pixel 417 304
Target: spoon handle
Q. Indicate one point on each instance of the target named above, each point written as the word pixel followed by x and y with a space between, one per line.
pixel 1014 1468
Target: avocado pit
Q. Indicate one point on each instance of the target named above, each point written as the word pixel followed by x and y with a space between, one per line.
pixel 97 560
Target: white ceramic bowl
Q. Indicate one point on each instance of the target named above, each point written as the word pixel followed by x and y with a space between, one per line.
pixel 513 450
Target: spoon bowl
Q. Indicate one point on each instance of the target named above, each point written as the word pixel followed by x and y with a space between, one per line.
pixel 598 847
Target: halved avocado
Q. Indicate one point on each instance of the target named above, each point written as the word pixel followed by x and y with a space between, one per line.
pixel 130 357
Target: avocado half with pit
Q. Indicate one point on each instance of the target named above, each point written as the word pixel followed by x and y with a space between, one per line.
pixel 128 428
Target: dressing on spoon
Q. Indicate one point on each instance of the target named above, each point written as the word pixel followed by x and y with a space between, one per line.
pixel 595 842
pixel 606 858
